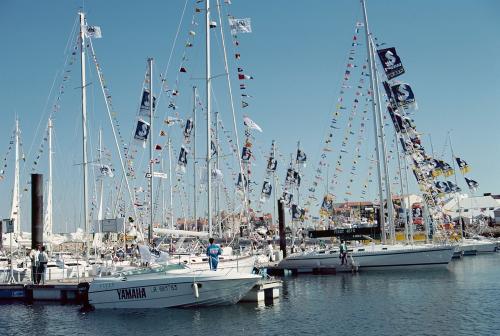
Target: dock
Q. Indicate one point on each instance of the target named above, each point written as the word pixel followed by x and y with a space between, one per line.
pixel 274 269
pixel 62 292
pixel 264 290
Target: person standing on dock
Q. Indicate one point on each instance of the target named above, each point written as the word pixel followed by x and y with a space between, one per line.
pixel 270 250
pixel 343 253
pixel 43 259
pixel 213 253
pixel 34 263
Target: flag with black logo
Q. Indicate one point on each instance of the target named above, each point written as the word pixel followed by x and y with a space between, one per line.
pixel 242 181
pixel 272 164
pixel 473 185
pixel 287 198
pixel 141 130
pixel 453 187
pixel 447 169
pixel 442 187
pixel 182 162
pixel 298 213
pixel 213 148
pixel 301 157
pixel 401 123
pixel 246 154
pixel 403 95
pixel 266 191
pixel 188 128
pixel 292 177
pixel 391 62
pixel 462 164
pixel 146 103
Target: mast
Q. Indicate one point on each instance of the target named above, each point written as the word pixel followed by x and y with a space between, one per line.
pixel 410 221
pixel 217 162
pixel 171 185
pixel 401 186
pixel 275 216
pixel 209 122
pixel 101 182
pixel 195 215
pixel 376 132
pixel 84 121
pixel 462 229
pixel 48 214
pixel 390 208
pixel 15 212
pixel 151 179
pixel 162 190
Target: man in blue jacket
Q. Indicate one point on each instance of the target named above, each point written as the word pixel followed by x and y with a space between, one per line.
pixel 213 253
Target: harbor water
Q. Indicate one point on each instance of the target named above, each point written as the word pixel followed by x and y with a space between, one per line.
pixel 462 300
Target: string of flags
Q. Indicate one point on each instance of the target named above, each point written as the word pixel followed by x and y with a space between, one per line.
pixel 336 114
pixel 5 158
pixel 426 169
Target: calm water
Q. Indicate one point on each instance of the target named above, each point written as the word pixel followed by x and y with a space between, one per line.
pixel 463 300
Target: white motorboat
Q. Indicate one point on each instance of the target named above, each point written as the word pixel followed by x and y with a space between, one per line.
pixel 374 257
pixel 169 286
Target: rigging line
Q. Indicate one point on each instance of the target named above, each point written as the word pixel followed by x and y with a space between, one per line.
pixel 42 116
pixel 114 131
pixel 173 45
pixel 226 68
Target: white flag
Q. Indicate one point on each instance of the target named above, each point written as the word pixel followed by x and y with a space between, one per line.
pixel 240 25
pixel 251 124
pixel 160 175
pixel 94 32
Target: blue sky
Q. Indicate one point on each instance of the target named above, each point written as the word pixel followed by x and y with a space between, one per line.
pixel 296 53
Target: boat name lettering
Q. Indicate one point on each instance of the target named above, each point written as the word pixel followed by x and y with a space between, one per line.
pixel 131 293
pixel 164 288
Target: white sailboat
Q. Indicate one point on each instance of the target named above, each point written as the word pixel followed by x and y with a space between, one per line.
pixel 376 257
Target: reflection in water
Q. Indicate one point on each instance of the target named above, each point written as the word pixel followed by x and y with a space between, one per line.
pixel 460 301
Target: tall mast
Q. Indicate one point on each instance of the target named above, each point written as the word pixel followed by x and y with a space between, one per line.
pixel 217 163
pixel 374 107
pixel 15 212
pixel 84 121
pixel 275 193
pixel 195 125
pixel 401 187
pixel 171 184
pixel 48 214
pixel 456 182
pixel 390 208
pixel 151 163
pixel 101 182
pixel 209 122
pixel 162 190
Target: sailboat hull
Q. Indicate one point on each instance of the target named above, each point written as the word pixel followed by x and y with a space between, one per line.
pixel 375 258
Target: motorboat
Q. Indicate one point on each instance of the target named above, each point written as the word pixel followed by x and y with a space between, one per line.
pixel 169 286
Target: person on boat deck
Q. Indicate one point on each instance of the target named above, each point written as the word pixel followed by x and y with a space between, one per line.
pixel 343 253
pixel 213 253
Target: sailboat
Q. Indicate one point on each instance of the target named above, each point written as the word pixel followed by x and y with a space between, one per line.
pixel 172 285
pixel 376 256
